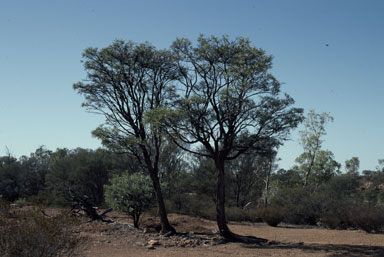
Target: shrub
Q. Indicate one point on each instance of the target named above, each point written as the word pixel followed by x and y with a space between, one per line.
pixel 272 215
pixel 130 193
pixel 28 233
pixel 368 218
pixel 235 214
pixel 239 214
pixel 300 204
pixel 337 213
pixel 193 205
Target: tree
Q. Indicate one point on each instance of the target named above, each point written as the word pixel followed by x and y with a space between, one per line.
pixel 131 194
pixel 79 172
pixel 270 165
pixel 323 167
pixel 229 104
pixel 380 167
pixel 310 139
pixel 204 178
pixel 130 84
pixel 244 175
pixel 11 178
pixel 249 173
pixel 352 166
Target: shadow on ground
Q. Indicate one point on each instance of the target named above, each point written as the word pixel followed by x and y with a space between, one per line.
pixel 332 250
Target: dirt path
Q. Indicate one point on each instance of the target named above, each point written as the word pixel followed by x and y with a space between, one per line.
pixel 121 240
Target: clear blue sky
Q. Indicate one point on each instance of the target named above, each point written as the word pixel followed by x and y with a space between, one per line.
pixel 41 43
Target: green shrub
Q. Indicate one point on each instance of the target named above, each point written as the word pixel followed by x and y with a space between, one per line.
pixel 130 193
pixel 273 215
pixel 193 205
pixel 29 233
pixel 301 205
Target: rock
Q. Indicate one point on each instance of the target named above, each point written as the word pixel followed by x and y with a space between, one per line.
pixel 146 231
pixel 150 247
pixel 168 234
pixel 153 242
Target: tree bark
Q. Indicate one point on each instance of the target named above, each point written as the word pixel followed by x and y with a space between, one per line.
pixel 267 181
pixel 220 201
pixel 162 212
pixel 309 169
pixel 266 193
pixel 220 210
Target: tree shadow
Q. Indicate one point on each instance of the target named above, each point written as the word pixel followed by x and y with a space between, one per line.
pixel 333 250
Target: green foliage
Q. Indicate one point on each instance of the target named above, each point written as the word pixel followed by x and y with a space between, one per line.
pixel 192 204
pixel 204 178
pixel 11 178
pixel 28 233
pixel 286 178
pixel 338 204
pixel 130 193
pixel 352 166
pixel 24 177
pixel 246 178
pixel 300 204
pixel 323 167
pixel 85 172
pixel 310 139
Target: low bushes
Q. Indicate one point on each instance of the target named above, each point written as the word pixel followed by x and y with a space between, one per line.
pixel 368 218
pixel 240 214
pixel 336 206
pixel 272 215
pixel 29 233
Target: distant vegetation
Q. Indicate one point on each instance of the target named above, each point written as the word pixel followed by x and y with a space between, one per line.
pixel 343 200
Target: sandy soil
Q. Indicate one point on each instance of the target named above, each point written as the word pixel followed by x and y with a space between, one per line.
pixel 197 238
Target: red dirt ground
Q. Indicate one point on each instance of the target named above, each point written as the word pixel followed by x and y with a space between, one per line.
pixel 120 239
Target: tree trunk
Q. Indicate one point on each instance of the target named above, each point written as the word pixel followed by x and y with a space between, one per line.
pixel 165 226
pixel 161 211
pixel 220 201
pixel 220 210
pixel 135 216
pixel 309 169
pixel 266 193
pixel 267 181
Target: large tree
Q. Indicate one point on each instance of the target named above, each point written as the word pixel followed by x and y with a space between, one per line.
pixel 130 84
pixel 230 104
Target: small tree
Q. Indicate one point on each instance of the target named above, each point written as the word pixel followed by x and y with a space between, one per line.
pixel 322 168
pixel 131 194
pixel 352 166
pixel 310 139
